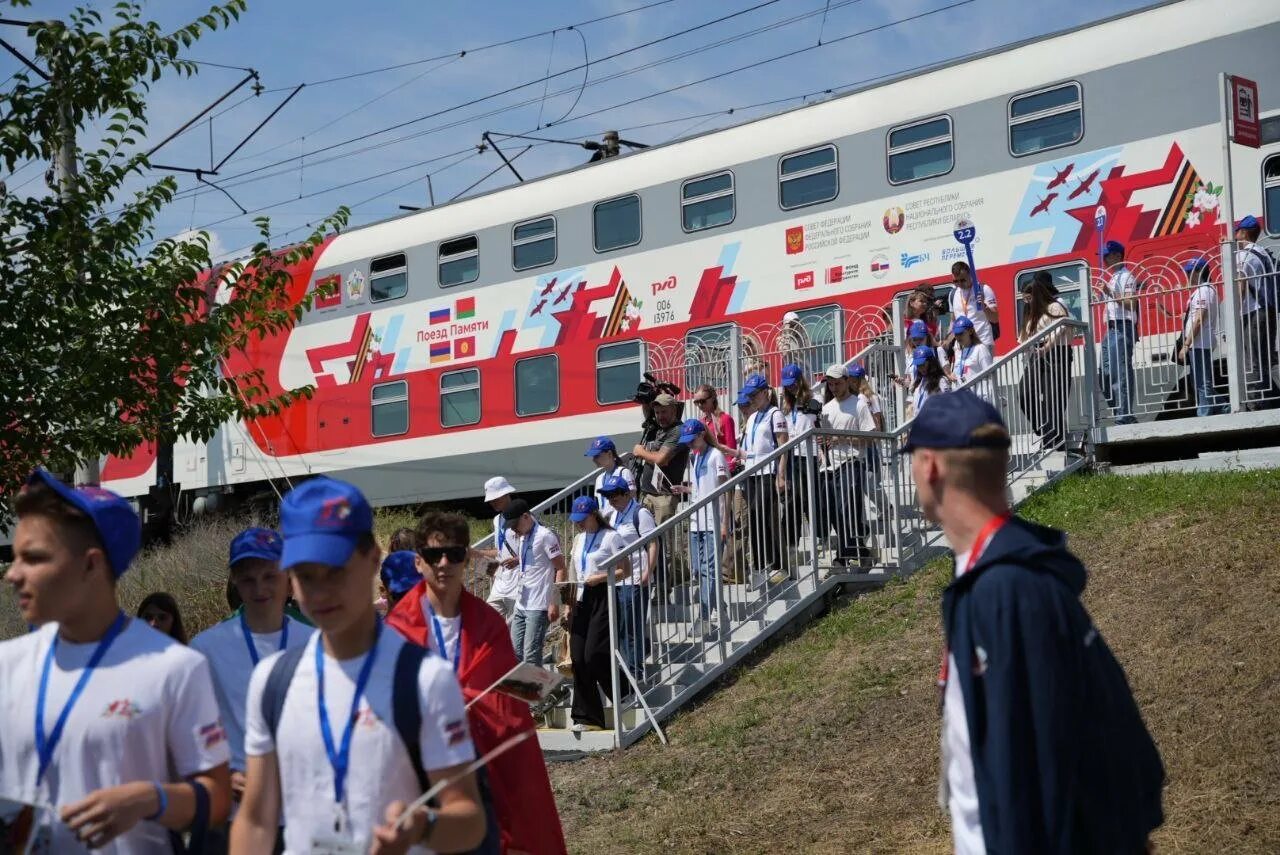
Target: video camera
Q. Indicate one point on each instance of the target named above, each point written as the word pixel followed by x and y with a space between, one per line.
pixel 650 388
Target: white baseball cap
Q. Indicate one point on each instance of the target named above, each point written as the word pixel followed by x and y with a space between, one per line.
pixel 497 487
pixel 790 317
pixel 835 372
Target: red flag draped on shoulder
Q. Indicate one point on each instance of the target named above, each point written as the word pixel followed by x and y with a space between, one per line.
pixel 521 789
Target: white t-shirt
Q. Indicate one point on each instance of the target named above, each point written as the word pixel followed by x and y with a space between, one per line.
pixel 380 771
pixel 797 423
pixel 707 471
pixel 760 441
pixel 604 545
pixel 921 394
pixel 147 713
pixel 957 761
pixel 850 414
pixel 970 361
pixel 962 303
pixel 506 581
pixel 621 470
pixel 639 522
pixel 536 572
pixel 1122 284
pixel 224 646
pixel 1250 268
pixel 1203 299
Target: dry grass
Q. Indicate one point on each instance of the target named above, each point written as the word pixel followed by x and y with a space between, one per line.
pixel 829 744
pixel 194 570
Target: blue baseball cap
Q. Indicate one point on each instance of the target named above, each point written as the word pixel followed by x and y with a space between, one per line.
pixel 857 372
pixel 583 507
pixel 399 572
pixel 1249 222
pixel 918 329
pixel 613 484
pixel 117 523
pixel 791 375
pixel 755 383
pixel 950 420
pixel 921 355
pixel 962 324
pixel 1113 246
pixel 600 445
pixel 1197 263
pixel 262 543
pixel 322 521
pixel 690 429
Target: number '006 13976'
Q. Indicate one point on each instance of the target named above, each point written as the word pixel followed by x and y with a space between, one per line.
pixel 663 313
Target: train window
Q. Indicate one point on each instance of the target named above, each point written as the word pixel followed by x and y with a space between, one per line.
pixel 618 370
pixel 1068 278
pixel 707 202
pixel 1049 118
pixel 537 385
pixel 814 339
pixel 1271 193
pixel 920 150
pixel 388 277
pixel 533 244
pixel 390 408
pixel 808 177
pixel 616 223
pixel 459 261
pixel 460 398
pixel 708 353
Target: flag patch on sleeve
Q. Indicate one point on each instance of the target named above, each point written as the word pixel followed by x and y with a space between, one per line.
pixel 209 735
pixel 455 731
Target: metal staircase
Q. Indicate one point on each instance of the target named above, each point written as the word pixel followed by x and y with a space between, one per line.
pixel 682 655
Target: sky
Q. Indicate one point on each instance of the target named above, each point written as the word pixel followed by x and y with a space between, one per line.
pixel 300 166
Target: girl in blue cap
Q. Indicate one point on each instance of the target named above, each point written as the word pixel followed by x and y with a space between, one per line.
pixel 595 543
pixel 604 454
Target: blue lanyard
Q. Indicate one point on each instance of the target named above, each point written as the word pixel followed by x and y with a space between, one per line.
pixel 964 360
pixel 587 549
pixel 627 514
pixel 248 637
pixel 456 658
pixel 46 745
pixel 502 534
pixel 755 423
pixel 526 546
pixel 340 758
pixel 699 469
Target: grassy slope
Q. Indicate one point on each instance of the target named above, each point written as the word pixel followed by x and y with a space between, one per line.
pixel 829 744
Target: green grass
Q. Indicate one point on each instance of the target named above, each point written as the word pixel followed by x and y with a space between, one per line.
pixel 830 742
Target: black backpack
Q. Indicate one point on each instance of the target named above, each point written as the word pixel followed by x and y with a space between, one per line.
pixel 406 715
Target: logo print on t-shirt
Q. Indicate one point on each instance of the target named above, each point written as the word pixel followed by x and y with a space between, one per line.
pixel 367 718
pixel 209 735
pixel 455 731
pixel 125 709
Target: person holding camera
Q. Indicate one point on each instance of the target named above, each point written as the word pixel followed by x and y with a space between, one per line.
pixel 802 413
pixel 664 460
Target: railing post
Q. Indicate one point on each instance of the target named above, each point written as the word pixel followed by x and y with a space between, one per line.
pixel 1230 297
pixel 735 360
pixel 611 584
pixel 719 523
pixel 1089 392
pixel 811 486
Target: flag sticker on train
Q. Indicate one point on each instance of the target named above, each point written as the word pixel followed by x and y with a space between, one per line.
pixel 440 352
pixel 795 240
pixel 464 308
pixel 328 291
pixel 438 316
pixel 464 348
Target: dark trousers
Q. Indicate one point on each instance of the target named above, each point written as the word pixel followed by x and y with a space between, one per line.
pixel 797 499
pixel 1045 392
pixel 846 511
pixel 762 521
pixel 589 650
pixel 1259 333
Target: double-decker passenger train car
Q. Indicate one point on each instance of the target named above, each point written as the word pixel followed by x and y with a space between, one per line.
pixel 499 333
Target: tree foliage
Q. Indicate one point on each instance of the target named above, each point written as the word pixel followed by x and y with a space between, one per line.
pixel 109 338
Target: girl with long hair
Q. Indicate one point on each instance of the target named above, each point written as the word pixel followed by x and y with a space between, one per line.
pixel 720 428
pixel 160 610
pixel 972 357
pixel 929 380
pixel 1047 382
pixel 801 412
pixel 593 548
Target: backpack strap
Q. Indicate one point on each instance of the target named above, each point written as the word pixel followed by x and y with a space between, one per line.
pixel 405 709
pixel 273 693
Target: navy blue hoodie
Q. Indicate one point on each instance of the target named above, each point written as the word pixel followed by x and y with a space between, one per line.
pixel 1061 757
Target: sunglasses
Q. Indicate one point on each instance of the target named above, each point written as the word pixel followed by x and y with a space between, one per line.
pixel 433 554
pixel 701 400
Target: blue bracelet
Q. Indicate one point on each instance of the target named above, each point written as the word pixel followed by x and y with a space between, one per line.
pixel 164 802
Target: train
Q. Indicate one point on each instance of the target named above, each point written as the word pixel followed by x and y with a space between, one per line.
pixel 499 333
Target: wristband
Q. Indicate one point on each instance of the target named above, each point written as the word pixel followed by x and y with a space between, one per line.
pixel 162 798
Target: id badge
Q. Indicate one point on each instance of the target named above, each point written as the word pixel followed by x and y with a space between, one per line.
pixel 338 839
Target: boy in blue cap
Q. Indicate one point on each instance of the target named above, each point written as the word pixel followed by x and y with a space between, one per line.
pixel 234 646
pixel 1257 284
pixel 1120 289
pixel 1044 749
pixel 709 527
pixel 334 754
pixel 126 745
pixel 763 433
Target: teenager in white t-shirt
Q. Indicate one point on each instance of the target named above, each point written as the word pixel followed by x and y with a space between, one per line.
pixel 763 432
pixel 983 311
pixel 236 645
pixel 632 521
pixel 845 410
pixel 336 756
pixel 593 547
pixel 541 569
pixel 1199 332
pixel 109 728
pixel 709 526
pixel 503 566
pixel 972 358
pixel 604 454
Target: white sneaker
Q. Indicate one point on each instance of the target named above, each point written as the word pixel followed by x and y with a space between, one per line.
pixel 777 577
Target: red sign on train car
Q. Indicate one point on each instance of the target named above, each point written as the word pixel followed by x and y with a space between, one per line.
pixel 1246 128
